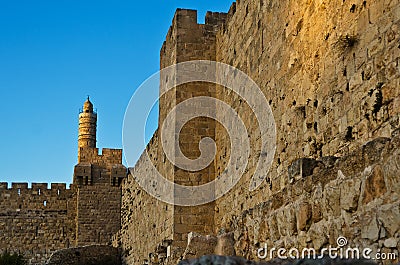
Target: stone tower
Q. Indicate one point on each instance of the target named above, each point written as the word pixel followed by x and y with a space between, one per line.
pixel 97 178
pixel 87 127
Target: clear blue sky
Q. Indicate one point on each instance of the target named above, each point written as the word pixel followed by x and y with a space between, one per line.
pixel 55 53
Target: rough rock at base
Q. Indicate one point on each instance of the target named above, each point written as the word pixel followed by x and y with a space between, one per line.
pixel 86 255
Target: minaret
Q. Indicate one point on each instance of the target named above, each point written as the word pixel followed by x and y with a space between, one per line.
pixel 87 127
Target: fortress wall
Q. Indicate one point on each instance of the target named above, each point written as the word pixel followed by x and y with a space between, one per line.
pixel 194 42
pixel 145 221
pixel 19 196
pixel 330 71
pixel 98 213
pixel 36 221
pixel 99 168
pixel 356 197
pixel 107 157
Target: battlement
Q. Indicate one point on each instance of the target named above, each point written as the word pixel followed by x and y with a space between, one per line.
pixel 40 189
pixel 105 156
pixel 186 19
pixel 20 198
pixel 32 217
pixel 186 28
pixel 24 186
pixel 215 18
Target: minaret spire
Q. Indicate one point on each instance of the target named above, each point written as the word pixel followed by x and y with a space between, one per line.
pixel 87 127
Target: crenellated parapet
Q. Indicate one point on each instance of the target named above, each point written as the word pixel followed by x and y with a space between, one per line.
pixel 99 168
pixel 103 156
pixel 39 197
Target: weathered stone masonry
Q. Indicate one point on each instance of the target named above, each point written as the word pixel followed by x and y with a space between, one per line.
pixel 36 221
pixel 331 73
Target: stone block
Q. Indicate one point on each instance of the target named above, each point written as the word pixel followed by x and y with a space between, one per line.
pixel 374 185
pixel 303 216
pixel 373 149
pixel 369 227
pixel 225 245
pixel 331 201
pixel 349 194
pixel 302 167
pixel 390 242
pixel 389 215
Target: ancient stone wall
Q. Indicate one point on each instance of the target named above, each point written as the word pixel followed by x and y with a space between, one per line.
pixel 149 227
pixel 355 196
pixel 98 178
pixel 36 221
pixel 98 213
pixel 146 223
pixel 330 71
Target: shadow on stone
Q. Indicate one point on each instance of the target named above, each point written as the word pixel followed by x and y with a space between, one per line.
pixel 87 255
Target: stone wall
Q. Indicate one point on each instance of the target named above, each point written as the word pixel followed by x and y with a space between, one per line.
pixel 98 214
pixel 149 226
pixel 330 72
pixel 354 196
pixel 98 178
pixel 36 221
pixel 351 200
pixel 146 223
